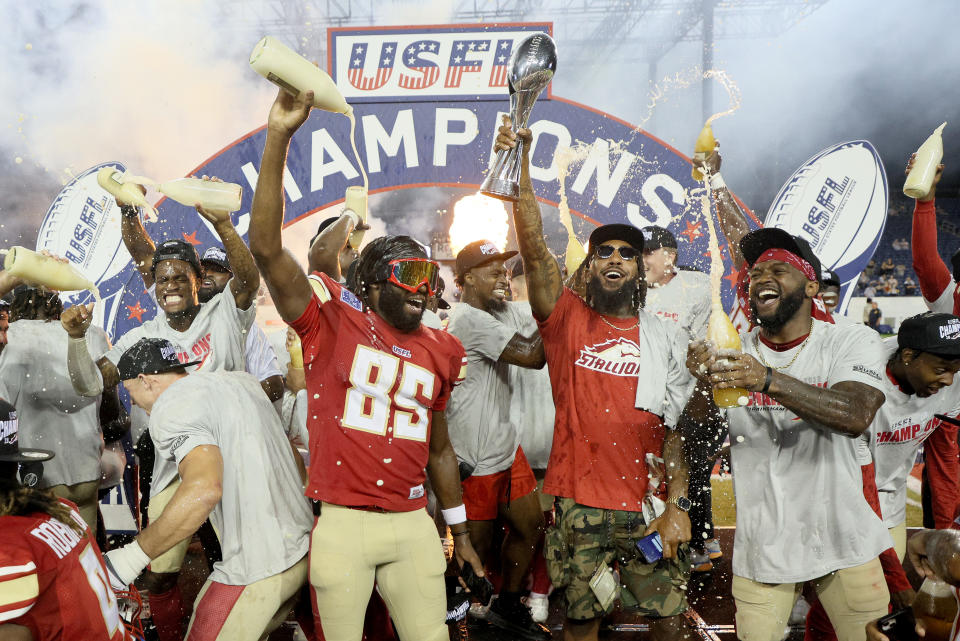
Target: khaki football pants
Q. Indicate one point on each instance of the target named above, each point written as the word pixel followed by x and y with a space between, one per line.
pixel 350 549
pixel 852 597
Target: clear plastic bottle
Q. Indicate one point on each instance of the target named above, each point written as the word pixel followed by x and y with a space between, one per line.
pixel 929 155
pixel 210 194
pixel 936 607
pixel 290 71
pixel 722 333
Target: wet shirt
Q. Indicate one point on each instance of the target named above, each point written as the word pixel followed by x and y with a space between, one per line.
pixel 53 580
pixel 33 367
pixel 483 430
pixel 372 391
pixel 684 300
pixel 217 338
pixel 263 518
pixel 532 401
pixel 600 439
pixel 801 513
pixel 901 426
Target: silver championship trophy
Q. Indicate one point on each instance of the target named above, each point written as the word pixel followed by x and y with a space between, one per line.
pixel 531 68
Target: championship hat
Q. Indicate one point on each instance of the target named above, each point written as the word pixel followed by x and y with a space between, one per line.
pixel 829 277
pixel 10 450
pixel 759 241
pixel 477 253
pixel 658 237
pixel 931 332
pixel 617 231
pixel 176 249
pixel 150 356
pixel 216 256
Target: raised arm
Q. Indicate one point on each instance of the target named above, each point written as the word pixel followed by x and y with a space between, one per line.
pixel 524 351
pixel 325 251
pixel 246 279
pixel 544 281
pixel 288 284
pixel 137 241
pixel 733 223
pixel 932 273
pixel 88 378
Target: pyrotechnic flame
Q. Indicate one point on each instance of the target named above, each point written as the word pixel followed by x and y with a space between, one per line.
pixel 478 217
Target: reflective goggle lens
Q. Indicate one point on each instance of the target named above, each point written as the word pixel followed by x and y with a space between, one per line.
pixel 626 253
pixel 412 273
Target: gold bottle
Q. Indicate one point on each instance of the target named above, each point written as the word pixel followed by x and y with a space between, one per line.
pixel 722 333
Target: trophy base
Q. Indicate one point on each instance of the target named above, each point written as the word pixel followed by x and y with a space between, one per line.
pixel 501 189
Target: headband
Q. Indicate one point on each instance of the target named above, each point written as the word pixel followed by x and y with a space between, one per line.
pixel 790 258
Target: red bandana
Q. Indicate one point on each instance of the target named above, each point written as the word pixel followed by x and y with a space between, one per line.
pixel 783 256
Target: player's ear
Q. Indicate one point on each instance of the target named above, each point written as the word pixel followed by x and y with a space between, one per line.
pixel 812 288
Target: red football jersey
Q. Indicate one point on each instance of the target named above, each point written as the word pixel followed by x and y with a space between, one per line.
pixel 372 391
pixel 600 440
pixel 53 581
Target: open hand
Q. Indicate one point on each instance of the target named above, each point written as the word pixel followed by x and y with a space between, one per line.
pixel 289 112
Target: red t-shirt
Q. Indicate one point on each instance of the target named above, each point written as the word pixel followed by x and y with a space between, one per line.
pixel 372 391
pixel 54 582
pixel 600 440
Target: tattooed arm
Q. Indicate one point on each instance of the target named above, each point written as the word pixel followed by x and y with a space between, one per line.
pixel 544 281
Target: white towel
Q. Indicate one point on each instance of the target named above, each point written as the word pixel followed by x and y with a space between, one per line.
pixel 664 384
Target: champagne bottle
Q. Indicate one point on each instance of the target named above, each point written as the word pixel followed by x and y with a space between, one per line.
pixel 292 72
pixel 126 193
pixel 920 179
pixel 936 606
pixel 356 201
pixel 722 333
pixel 295 349
pixel 210 194
pixel 703 148
pixel 44 271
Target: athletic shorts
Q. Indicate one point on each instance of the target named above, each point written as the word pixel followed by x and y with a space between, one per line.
pixel 586 538
pixel 483 495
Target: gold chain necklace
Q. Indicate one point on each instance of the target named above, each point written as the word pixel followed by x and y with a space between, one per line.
pixel 622 329
pixel 756 344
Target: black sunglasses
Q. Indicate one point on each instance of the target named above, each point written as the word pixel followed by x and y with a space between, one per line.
pixel 626 253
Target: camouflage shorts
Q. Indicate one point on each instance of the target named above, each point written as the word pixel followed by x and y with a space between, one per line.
pixel 584 537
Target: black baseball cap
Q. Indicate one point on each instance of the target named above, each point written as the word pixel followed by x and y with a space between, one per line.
pixel 829 277
pixel 477 253
pixel 10 450
pixel 326 222
pixel 150 356
pixel 617 231
pixel 754 244
pixel 931 332
pixel 658 237
pixel 176 249
pixel 216 256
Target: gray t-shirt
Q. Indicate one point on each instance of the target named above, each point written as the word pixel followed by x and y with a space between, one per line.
pixel 263 518
pixel 532 402
pixel 483 430
pixel 801 513
pixel 684 300
pixel 217 338
pixel 33 367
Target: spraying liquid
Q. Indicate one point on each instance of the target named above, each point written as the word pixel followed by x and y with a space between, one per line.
pixel 920 179
pixel 125 190
pixel 575 253
pixel 720 331
pixel 45 271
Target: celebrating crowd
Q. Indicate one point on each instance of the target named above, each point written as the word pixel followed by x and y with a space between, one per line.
pixel 552 435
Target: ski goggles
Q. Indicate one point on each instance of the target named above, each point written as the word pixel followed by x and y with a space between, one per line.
pixel 413 273
pixel 626 253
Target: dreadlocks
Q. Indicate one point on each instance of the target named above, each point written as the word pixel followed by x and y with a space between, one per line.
pixel 581 278
pixel 376 256
pixel 17 500
pixel 35 303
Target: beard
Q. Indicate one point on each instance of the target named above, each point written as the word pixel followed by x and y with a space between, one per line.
pixel 611 302
pixel 495 305
pixel 789 305
pixel 392 301
pixel 205 295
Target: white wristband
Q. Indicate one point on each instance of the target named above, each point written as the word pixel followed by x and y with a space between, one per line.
pixel 716 181
pixel 354 216
pixel 455 515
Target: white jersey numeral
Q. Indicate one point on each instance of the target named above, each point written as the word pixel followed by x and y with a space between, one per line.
pixel 372 375
pixel 97 578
